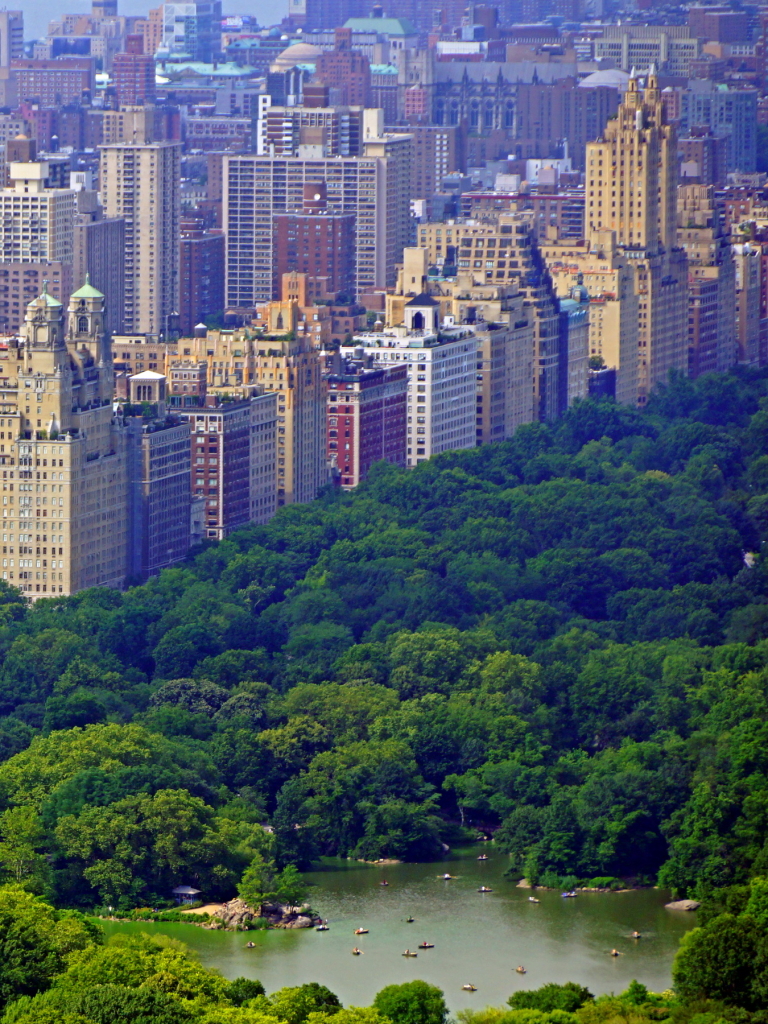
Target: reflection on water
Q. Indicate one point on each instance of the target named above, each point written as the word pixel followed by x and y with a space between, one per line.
pixel 479 937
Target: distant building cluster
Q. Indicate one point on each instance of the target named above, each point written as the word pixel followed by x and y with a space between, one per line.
pixel 239 264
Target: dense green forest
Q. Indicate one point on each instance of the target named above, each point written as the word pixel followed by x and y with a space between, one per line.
pixel 563 637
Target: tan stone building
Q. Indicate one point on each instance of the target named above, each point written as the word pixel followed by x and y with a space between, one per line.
pixel 711 281
pixel 500 249
pixel 631 189
pixel 65 502
pixel 503 324
pixel 608 277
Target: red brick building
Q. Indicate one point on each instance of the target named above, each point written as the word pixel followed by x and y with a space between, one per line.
pixel 317 243
pixel 133 73
pixel 55 82
pixel 201 273
pixel 367 418
pixel 345 70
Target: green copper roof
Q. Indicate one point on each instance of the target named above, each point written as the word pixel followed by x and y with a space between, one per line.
pixel 87 291
pixel 48 299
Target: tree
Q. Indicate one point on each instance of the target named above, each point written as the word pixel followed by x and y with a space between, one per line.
pixel 242 989
pixel 35 941
pixel 21 838
pixel 568 997
pixel 258 884
pixel 414 1002
pixel 294 1005
pixel 290 887
pixel 718 961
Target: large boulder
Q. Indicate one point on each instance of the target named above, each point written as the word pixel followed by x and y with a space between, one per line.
pixel 683 905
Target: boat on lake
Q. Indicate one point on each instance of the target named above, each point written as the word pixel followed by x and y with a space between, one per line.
pixel 409 920
pixel 484 888
pixel 426 945
pixel 356 951
pixel 322 927
pixel 361 931
pixel 483 856
pixel 250 945
pixel 446 877
pixel 532 899
pixel 569 895
pixel 469 988
pixel 521 970
pixel 409 953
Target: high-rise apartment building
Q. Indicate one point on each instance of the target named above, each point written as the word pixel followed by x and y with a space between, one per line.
pixel 233 451
pixel 367 415
pixel 99 253
pixel 442 376
pixel 711 281
pixel 631 190
pixel 728 111
pixel 158 479
pixel 192 30
pixel 495 249
pixel 749 285
pixel 11 36
pixel 345 70
pixel 317 243
pixel 609 279
pixel 36 222
pixel 436 151
pixel 503 323
pixel 202 266
pixel 141 185
pixel 375 187
pixel 286 362
pixel 65 528
pixel 133 73
pixel 36 235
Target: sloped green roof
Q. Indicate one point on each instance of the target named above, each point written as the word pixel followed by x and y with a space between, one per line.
pixel 87 291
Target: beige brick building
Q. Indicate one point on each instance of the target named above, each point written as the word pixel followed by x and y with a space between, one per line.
pixel 63 452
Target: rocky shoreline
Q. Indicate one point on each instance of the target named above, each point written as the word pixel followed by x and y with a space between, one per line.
pixel 238 916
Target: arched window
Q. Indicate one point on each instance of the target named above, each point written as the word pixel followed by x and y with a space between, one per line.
pixel 82 325
pixel 418 321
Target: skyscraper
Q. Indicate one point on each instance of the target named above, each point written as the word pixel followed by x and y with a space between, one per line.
pixel 70 525
pixel 192 29
pixel 140 183
pixel 11 36
pixel 631 190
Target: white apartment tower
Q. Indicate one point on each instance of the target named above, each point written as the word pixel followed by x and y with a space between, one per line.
pixel 37 224
pixel 442 377
pixel 141 184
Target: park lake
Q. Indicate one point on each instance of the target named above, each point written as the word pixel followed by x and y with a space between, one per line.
pixel 480 938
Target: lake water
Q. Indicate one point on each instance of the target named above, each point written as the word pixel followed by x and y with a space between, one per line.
pixel 479 937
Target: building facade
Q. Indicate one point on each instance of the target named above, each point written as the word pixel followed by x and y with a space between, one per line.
pixel 140 184
pixel 66 527
pixel 631 191
pixel 367 415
